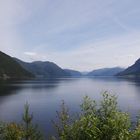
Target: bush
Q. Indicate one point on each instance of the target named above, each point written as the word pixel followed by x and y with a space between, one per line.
pixel 24 131
pixel 12 131
pixel 103 121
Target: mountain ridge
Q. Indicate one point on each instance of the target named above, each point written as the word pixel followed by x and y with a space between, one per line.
pixel 105 71
pixel 43 69
pixel 74 73
pixel 15 68
pixel 9 68
pixel 133 70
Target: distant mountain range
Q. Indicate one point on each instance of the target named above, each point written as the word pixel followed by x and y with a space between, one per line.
pixel 73 73
pixel 15 68
pixel 132 71
pixel 9 68
pixel 43 69
pixel 105 72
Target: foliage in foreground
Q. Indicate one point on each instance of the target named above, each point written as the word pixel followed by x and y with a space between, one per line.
pixel 24 131
pixel 103 121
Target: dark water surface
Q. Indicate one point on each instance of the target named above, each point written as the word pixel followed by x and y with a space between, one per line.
pixel 45 96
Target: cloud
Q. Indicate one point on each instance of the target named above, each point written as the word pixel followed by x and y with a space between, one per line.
pixel 76 34
pixel 30 53
pixel 116 51
pixel 13 14
pixel 33 56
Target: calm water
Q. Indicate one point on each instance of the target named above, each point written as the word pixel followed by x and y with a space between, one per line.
pixel 45 96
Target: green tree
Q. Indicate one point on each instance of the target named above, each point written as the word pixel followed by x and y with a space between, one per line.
pixel 103 121
pixel 12 131
pixel 31 132
pixel 24 131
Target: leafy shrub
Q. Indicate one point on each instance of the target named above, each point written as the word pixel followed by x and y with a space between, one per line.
pixel 24 131
pixel 103 121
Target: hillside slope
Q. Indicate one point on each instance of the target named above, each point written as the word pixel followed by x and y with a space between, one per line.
pixel 43 69
pixel 73 73
pixel 105 72
pixel 9 68
pixel 133 70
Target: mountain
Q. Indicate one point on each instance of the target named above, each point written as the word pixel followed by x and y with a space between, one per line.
pixel 73 73
pixel 9 68
pixel 133 70
pixel 43 69
pixel 84 73
pixel 105 72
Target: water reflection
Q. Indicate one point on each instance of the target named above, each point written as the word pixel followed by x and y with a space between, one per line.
pixel 7 88
pixel 11 87
pixel 45 95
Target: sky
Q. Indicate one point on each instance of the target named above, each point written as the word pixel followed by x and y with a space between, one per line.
pixel 76 34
